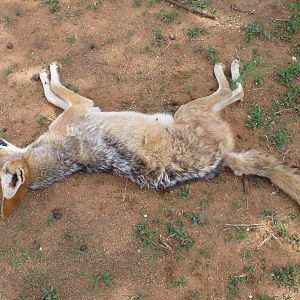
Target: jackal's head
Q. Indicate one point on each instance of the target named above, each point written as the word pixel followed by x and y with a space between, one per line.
pixel 13 175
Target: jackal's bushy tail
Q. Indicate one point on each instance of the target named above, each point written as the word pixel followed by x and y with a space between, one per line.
pixel 258 163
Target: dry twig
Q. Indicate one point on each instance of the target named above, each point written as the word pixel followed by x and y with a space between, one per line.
pixel 125 189
pixel 125 69
pixel 192 9
pixel 244 225
pixel 252 12
pixel 266 239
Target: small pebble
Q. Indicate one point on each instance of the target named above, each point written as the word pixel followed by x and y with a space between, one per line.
pixel 56 213
pixel 83 248
pixel 36 245
pixel 35 77
pixel 3 129
pixel 173 102
pixel 67 236
pixel 92 46
pixel 172 36
pixel 9 45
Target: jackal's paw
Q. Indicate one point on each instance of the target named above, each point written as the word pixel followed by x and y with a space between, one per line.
pixel 235 70
pixel 55 66
pixel 219 66
pixel 44 76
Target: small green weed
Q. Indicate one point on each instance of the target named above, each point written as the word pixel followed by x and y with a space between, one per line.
pixel 249 269
pixel 8 71
pixel 78 13
pixel 71 38
pixel 180 280
pixel 233 286
pixel 184 192
pixel 67 234
pixel 144 234
pixel 288 275
pixel 18 12
pixel 7 21
pixel 249 67
pixel 194 294
pixel 212 54
pixel 54 6
pixel 76 89
pixel 283 230
pixel 18 254
pixel 67 85
pixel 241 233
pixel 43 120
pixel 94 5
pixel 117 76
pixel 50 220
pixel 33 279
pixel 210 51
pixel 270 214
pixel 246 253
pixel 194 31
pixel 137 2
pixel 292 24
pixel 186 74
pixel 106 276
pixel 286 74
pixel 255 28
pixel 168 16
pixel 130 34
pixel 205 252
pixel 188 89
pixel 259 80
pixel 136 295
pixel 293 216
pixel 256 117
pixel 205 197
pixel 164 85
pixel 280 138
pixel 159 40
pixel 184 241
pixel 199 220
pixel 200 4
pixel 111 40
pixel 49 294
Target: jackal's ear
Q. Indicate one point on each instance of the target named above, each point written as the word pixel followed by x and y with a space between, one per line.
pixel 12 178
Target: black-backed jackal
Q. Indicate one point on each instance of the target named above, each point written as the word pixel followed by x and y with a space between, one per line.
pixel 153 150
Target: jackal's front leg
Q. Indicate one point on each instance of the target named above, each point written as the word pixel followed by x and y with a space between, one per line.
pixel 50 96
pixel 69 96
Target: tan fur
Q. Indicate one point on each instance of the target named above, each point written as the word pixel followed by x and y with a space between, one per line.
pixel 152 150
pixel 258 163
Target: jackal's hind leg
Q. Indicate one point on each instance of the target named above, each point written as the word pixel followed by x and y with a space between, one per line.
pixel 71 97
pixel 237 93
pixel 206 103
pixel 50 96
pixel 223 90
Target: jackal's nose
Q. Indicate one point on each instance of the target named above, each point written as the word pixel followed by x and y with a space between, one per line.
pixel 2 143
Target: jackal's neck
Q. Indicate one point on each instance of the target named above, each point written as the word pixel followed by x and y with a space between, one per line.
pixel 50 162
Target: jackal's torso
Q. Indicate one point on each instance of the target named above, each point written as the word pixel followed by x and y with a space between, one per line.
pixel 150 150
